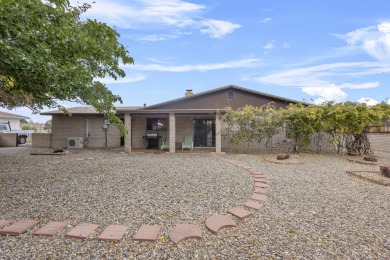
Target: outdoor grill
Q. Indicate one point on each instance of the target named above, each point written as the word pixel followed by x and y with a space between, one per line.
pixel 152 141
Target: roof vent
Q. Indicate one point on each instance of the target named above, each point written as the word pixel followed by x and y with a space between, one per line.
pixel 189 93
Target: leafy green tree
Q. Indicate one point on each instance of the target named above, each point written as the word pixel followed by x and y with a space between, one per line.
pixel 27 127
pixel 253 124
pixel 49 54
pixel 47 125
pixel 301 123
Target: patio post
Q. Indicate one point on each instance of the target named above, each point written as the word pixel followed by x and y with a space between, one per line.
pixel 172 132
pixel 128 137
pixel 218 134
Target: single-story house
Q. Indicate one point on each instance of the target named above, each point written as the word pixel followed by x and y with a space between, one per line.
pixel 194 114
pixel 12 119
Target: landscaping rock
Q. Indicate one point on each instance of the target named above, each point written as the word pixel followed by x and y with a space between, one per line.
pixel 385 170
pixel 370 158
pixel 283 156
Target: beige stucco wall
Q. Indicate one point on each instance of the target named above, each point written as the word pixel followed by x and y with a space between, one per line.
pixel 8 140
pixel 380 142
pixel 75 126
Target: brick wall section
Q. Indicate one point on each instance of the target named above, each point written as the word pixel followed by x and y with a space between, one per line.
pixel 41 140
pixel 75 126
pixel 380 141
pixel 8 140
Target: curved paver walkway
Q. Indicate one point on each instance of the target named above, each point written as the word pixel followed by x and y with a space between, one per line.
pixel 150 233
pixel 216 222
pixel 184 231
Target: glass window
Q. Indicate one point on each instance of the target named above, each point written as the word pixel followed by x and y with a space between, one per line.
pixel 230 95
pixel 155 124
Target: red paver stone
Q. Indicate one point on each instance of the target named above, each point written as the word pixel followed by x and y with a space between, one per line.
pixel 184 231
pixel 147 233
pixel 19 227
pixel 113 232
pixel 239 212
pixel 82 231
pixel 261 190
pixel 261 180
pixel 259 197
pixel 256 173
pixel 261 185
pixel 4 222
pixel 215 223
pixel 259 176
pixel 51 229
pixel 253 205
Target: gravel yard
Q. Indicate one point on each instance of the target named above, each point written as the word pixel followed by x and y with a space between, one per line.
pixel 314 210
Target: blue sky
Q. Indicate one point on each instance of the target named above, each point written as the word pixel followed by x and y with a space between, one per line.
pixel 304 50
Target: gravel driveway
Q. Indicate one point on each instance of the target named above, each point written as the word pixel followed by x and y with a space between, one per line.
pixel 315 210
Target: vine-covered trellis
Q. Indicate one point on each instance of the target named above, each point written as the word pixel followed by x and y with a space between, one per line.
pixel 344 125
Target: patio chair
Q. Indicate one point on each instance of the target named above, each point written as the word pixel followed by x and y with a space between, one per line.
pixel 187 144
pixel 165 144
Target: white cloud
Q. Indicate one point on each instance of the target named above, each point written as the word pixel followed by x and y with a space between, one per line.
pixel 286 45
pixel 368 101
pixel 266 20
pixel 320 81
pixel 374 40
pixel 218 29
pixel 325 94
pixel 244 63
pixel 159 14
pixel 122 80
pixel 156 37
pixel 269 46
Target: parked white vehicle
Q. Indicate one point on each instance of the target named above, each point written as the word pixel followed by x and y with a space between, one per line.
pixel 22 134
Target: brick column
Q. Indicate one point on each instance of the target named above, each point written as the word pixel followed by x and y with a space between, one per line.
pixel 218 134
pixel 172 132
pixel 128 137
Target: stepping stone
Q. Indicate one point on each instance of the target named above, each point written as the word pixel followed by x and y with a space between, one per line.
pixel 19 227
pixel 239 212
pixel 253 205
pixel 4 222
pixel 215 223
pixel 261 180
pixel 51 229
pixel 261 190
pixel 147 233
pixel 261 185
pixel 259 176
pixel 82 231
pixel 259 197
pixel 184 231
pixel 256 173
pixel 113 232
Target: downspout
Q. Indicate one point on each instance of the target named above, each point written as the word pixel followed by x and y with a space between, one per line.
pixel 87 134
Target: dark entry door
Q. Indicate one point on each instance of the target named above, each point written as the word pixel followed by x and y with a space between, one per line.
pixel 204 133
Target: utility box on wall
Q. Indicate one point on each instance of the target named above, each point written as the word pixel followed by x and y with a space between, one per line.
pixel 75 142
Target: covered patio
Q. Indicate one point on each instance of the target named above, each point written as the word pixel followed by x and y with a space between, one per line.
pixel 203 125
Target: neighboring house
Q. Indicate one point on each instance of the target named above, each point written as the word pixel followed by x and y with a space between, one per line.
pixel 196 115
pixel 14 120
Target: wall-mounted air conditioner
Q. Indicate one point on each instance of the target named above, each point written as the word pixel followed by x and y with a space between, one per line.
pixel 75 142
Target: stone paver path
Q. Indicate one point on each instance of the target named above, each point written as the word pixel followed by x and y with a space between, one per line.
pixel 179 233
pixel 184 231
pixel 82 231
pixel 215 223
pixel 113 232
pixel 147 233
pixel 19 227
pixel 51 229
